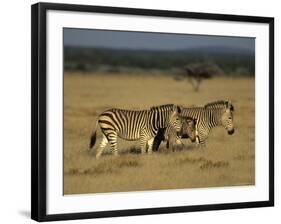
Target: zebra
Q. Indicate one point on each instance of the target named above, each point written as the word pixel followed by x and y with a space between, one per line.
pixel 188 130
pixel 133 125
pixel 217 113
pixel 173 137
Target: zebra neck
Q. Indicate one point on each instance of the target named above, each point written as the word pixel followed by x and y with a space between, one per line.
pixel 214 118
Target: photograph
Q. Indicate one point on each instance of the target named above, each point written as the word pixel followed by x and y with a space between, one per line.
pixel 151 111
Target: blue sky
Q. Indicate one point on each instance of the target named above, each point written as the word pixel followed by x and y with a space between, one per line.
pixel 151 41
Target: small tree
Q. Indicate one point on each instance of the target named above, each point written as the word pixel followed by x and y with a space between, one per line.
pixel 196 73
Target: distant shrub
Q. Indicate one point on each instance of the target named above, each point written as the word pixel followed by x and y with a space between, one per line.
pixel 196 73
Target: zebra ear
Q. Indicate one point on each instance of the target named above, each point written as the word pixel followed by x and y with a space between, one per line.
pixel 195 120
pixel 179 109
pixel 175 109
pixel 230 106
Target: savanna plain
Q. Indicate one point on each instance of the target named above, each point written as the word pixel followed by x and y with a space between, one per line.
pixel 227 160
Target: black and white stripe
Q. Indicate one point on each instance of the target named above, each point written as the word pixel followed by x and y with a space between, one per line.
pixel 173 137
pixel 188 130
pixel 133 125
pixel 218 113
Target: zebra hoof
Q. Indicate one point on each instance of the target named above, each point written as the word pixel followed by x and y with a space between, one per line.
pixel 98 156
pixel 89 151
pixel 143 152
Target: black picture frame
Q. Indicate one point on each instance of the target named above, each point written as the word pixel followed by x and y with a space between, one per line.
pixel 38 108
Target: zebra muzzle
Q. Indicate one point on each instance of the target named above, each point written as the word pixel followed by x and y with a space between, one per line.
pixel 230 132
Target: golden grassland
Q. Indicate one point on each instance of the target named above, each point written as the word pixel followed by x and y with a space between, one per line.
pixel 226 161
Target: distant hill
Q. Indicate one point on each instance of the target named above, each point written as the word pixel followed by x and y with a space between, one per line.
pixel 223 50
pixel 232 61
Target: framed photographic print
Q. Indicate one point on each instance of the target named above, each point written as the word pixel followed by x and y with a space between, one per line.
pixel 138 111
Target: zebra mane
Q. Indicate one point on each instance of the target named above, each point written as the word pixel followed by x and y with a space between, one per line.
pixel 219 104
pixel 165 106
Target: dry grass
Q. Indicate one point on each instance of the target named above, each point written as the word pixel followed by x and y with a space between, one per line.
pixel 226 161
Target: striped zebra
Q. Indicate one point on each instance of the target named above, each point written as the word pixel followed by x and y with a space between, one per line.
pixel 218 113
pixel 173 137
pixel 133 125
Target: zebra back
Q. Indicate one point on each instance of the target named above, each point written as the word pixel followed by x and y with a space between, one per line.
pixel 220 104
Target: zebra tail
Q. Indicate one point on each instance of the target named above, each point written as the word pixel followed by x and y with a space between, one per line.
pixel 93 137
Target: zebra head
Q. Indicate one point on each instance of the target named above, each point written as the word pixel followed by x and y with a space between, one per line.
pixel 189 128
pixel 227 118
pixel 175 120
pixel 225 110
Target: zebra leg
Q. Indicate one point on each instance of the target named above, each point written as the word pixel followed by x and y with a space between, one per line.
pixel 202 145
pixel 168 144
pixel 102 145
pixel 158 139
pixel 112 139
pixel 174 144
pixel 143 147
pixel 202 142
pixel 150 144
pixel 179 144
pixel 143 141
pixel 201 139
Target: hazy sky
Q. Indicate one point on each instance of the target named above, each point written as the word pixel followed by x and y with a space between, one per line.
pixel 153 41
